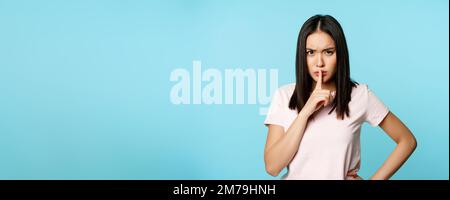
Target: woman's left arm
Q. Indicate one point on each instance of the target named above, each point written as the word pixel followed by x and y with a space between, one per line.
pixel 406 144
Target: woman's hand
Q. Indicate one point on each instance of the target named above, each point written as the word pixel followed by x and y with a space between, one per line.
pixel 319 98
pixel 353 175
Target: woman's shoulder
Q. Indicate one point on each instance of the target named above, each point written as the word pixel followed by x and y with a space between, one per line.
pixel 360 89
pixel 286 90
pixel 284 93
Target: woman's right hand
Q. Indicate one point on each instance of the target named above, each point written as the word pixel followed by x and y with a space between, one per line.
pixel 353 175
pixel 319 98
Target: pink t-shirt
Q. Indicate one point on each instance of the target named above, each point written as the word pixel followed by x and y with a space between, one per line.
pixel 330 147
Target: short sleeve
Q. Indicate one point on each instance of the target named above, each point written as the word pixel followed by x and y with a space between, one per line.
pixel 376 111
pixel 275 114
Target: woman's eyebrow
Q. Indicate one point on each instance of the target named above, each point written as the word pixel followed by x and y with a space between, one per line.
pixel 326 49
pixel 329 48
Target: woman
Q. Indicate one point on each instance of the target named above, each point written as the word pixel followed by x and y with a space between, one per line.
pixel 314 124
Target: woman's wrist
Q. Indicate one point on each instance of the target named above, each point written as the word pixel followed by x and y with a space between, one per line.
pixel 303 114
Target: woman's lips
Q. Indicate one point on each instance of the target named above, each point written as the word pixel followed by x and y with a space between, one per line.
pixel 323 74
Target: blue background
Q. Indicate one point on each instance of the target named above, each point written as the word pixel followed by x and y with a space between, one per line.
pixel 84 85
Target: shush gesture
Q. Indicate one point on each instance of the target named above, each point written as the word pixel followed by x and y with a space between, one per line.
pixel 319 97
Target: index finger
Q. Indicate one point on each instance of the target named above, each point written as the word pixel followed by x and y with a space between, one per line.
pixel 319 81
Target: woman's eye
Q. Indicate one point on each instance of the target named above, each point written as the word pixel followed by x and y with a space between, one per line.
pixel 309 52
pixel 329 52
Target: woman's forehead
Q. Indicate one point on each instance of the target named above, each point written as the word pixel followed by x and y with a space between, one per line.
pixel 319 40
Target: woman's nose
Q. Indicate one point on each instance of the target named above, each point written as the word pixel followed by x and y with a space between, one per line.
pixel 320 62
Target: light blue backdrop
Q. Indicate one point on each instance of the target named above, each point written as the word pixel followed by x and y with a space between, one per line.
pixel 84 85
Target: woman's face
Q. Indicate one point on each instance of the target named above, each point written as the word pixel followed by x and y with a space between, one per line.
pixel 321 55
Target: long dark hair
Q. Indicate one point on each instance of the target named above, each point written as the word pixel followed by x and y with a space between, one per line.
pixel 304 82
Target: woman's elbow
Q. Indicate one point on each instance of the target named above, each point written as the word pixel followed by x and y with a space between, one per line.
pixel 413 143
pixel 271 170
pixel 410 142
